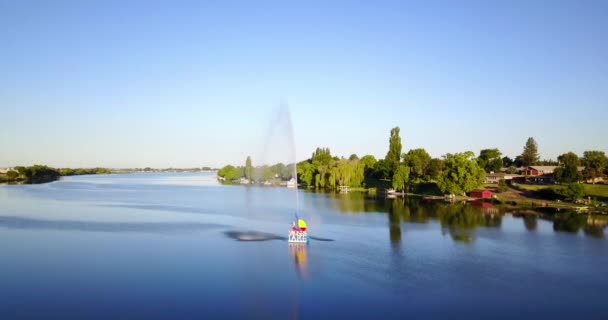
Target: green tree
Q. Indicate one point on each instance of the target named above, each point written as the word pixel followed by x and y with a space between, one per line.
pixel 349 173
pixel 435 168
pixel 507 162
pixel 490 160
pixel 418 160
pixel 229 173
pixel 248 168
pixel 12 175
pixel 368 161
pixel 502 186
pixel 574 191
pixel 568 172
pixel 321 156
pixel 530 156
pixel 595 163
pixel 547 162
pixel 38 173
pixel 305 173
pixel 382 169
pixel 286 172
pixel 461 173
pixel 393 156
pixel 401 177
pixel 353 157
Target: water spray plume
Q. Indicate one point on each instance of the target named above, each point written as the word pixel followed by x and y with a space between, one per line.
pixel 285 110
pixel 281 127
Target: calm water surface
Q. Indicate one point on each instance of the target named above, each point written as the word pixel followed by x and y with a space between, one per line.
pixel 171 246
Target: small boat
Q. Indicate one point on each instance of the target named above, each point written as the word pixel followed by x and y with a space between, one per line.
pixel 292 183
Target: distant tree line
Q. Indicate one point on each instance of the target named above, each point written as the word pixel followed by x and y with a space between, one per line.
pixel 456 173
pixel 278 171
pixel 37 174
pixel 42 173
pixel 81 171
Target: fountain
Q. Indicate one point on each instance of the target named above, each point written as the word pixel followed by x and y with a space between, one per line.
pixel 281 125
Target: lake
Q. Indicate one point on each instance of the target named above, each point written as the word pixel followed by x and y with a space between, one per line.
pixel 170 245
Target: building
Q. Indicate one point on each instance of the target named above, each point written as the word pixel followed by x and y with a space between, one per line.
pixel 539 170
pixel 481 194
pixel 495 177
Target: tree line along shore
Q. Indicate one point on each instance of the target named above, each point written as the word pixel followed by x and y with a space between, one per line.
pixel 42 173
pixel 572 179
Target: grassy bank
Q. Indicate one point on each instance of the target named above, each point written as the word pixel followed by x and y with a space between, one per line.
pixel 595 191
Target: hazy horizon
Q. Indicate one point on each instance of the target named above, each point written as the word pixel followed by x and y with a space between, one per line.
pixel 138 84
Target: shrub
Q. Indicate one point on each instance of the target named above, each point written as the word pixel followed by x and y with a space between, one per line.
pixel 574 191
pixel 502 186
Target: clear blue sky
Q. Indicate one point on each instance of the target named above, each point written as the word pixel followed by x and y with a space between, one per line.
pixel 132 84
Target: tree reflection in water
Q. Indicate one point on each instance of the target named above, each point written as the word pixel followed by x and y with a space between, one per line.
pixel 459 220
pixel 594 227
pixel 530 221
pixel 573 222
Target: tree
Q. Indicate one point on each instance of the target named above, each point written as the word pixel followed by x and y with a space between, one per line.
pixel 38 173
pixel 574 191
pixel 306 172
pixel 368 161
pixel 229 173
pixel 502 186
pixel 349 173
pixel 461 173
pixel 321 156
pixel 393 156
pixel 12 175
pixel 353 157
pixel 286 172
pixel 401 177
pixel 547 162
pixel 490 160
pixel 530 154
pixel 507 162
pixel 418 160
pixel 382 169
pixel 518 162
pixel 568 172
pixel 595 162
pixel 248 168
pixel 435 168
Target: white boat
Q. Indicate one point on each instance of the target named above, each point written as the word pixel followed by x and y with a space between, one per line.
pixel 292 183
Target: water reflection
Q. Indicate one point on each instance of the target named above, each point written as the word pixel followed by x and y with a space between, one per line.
pixel 530 221
pixel 297 252
pixel 595 227
pixel 573 222
pixel 395 223
pixel 459 220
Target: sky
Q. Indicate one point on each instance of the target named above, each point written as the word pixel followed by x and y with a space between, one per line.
pixel 189 84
